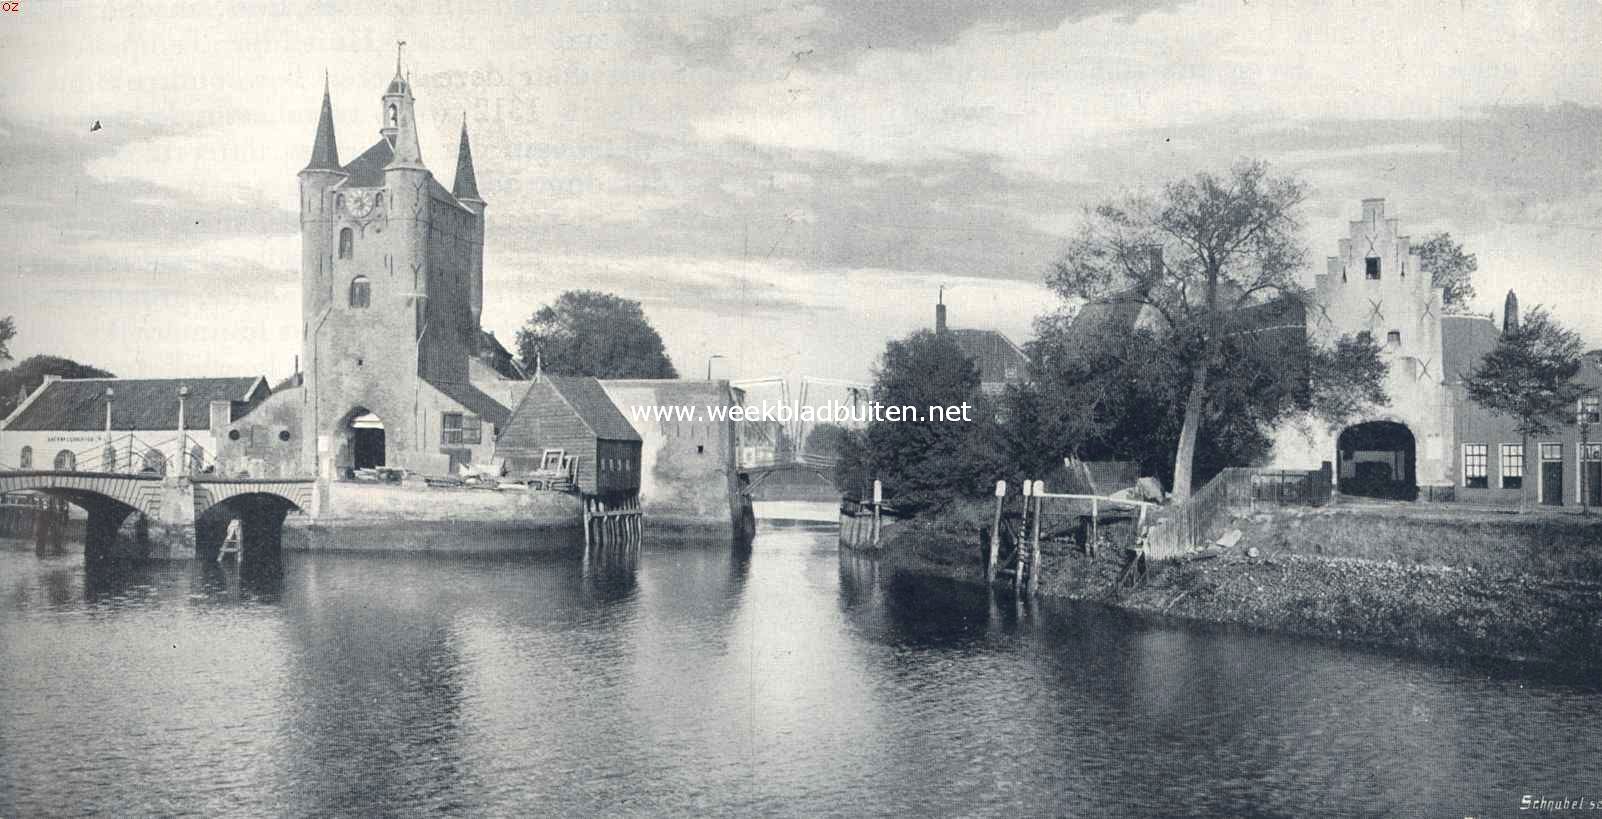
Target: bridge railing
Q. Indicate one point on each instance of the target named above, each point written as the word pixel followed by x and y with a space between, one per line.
pixel 131 455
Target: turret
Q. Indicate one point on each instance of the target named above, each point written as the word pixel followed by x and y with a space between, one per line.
pixel 465 189
pixel 321 173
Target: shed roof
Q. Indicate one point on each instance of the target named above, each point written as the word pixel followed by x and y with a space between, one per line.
pixel 79 404
pixel 590 404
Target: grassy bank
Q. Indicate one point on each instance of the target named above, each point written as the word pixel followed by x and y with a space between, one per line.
pixel 1438 584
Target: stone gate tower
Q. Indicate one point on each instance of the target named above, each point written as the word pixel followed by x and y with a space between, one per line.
pixel 392 268
pixel 1375 284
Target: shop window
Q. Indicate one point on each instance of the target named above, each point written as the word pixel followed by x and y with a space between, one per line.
pixel 1512 466
pixel 1371 267
pixel 347 243
pixel 1474 466
pixel 360 292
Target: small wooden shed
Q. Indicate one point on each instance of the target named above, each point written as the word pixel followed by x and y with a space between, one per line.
pixel 573 414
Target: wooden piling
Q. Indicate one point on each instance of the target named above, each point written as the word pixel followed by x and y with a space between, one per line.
pixel 995 534
pixel 1034 549
pixel 1018 548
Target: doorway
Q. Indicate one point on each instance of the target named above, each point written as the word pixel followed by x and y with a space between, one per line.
pixel 1552 474
pixel 367 441
pixel 1377 459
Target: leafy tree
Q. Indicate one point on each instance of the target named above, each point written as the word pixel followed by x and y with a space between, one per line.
pixel 1100 390
pixel 826 441
pixel 926 463
pixel 1529 377
pixel 1202 254
pixel 1451 268
pixel 8 331
pixel 594 334
pixel 21 380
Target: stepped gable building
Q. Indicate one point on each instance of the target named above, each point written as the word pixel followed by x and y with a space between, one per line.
pixel 1432 441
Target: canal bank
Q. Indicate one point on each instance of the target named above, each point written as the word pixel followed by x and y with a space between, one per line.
pixel 1462 583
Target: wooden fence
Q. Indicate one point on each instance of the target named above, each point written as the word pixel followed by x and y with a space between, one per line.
pixel 1196 522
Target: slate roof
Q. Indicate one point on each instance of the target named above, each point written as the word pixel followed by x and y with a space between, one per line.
pixel 367 171
pixel 589 402
pixel 1464 341
pixel 79 404
pixel 325 149
pixel 475 401
pixel 496 356
pixel 992 352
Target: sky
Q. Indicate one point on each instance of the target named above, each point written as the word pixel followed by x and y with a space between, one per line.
pixel 785 185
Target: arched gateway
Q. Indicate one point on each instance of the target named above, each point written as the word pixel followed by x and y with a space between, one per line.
pixel 1377 459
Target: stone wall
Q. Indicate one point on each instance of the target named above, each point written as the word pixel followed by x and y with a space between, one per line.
pixel 687 473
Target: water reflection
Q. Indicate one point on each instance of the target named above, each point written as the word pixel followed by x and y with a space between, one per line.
pixel 700 679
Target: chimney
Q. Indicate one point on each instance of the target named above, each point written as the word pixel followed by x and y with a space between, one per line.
pixel 1510 314
pixel 940 312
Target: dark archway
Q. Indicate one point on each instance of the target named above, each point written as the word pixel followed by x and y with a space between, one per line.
pixel 261 518
pixel 1377 459
pixel 363 442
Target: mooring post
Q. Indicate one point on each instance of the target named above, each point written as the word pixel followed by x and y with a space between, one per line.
pixel 995 534
pixel 1095 528
pixel 878 498
pixel 586 516
pixel 1023 532
pixel 1034 550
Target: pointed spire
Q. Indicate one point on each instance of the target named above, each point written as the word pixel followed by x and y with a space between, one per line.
pixel 325 150
pixel 1510 314
pixel 466 186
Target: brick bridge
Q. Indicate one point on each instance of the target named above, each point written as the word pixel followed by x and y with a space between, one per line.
pixel 187 515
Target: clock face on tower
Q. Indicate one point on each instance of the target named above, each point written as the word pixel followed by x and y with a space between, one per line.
pixel 360 203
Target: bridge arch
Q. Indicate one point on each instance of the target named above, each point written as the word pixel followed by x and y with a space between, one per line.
pixel 260 511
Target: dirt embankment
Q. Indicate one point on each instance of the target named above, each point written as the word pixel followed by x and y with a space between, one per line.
pixel 1461 583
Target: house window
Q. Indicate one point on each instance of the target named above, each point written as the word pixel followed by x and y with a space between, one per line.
pixel 1371 267
pixel 460 428
pixel 1512 466
pixel 25 460
pixel 347 243
pixel 1474 474
pixel 66 461
pixel 1551 452
pixel 393 116
pixel 1394 338
pixel 1590 410
pixel 360 292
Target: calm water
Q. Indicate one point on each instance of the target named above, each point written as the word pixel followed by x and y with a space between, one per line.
pixel 700 680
